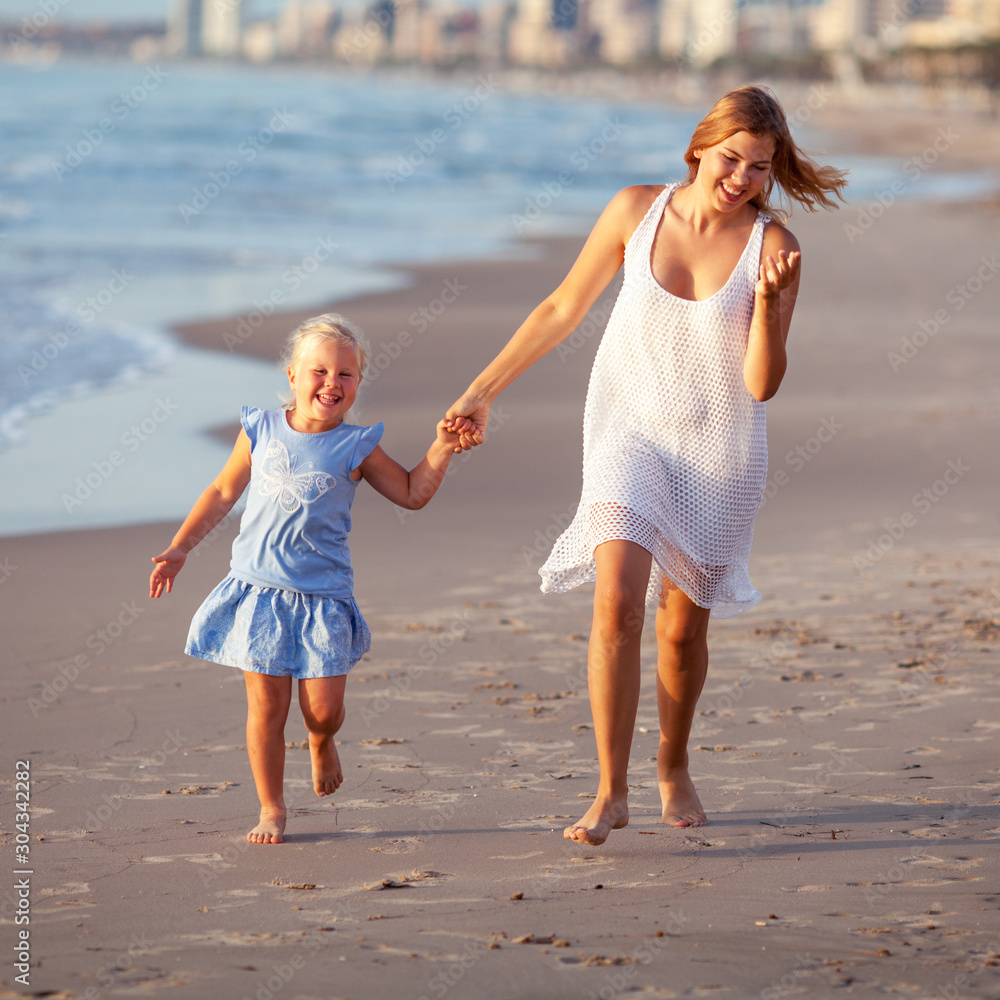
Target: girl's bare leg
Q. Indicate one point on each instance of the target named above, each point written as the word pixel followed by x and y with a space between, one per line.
pixel 613 676
pixel 682 663
pixel 322 701
pixel 268 699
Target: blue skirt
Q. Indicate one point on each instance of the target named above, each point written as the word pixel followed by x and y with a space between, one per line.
pixel 278 632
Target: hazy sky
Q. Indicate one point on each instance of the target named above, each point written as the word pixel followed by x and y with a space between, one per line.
pixel 101 10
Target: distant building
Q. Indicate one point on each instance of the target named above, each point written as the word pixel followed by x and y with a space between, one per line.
pixel 305 29
pixel 873 26
pixel 698 32
pixel 774 27
pixel 221 27
pixel 625 30
pixel 184 28
pixel 495 19
pixel 260 41
pixel 406 30
pixel 544 33
pixel 950 23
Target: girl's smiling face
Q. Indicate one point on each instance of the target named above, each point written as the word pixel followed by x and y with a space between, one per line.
pixel 736 170
pixel 325 381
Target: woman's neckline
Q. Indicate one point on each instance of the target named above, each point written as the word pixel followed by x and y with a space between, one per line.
pixel 669 191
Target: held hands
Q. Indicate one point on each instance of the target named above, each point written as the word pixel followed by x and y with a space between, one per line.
pixel 168 565
pixel 450 437
pixel 776 275
pixel 467 418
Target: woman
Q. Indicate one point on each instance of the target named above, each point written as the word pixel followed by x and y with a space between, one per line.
pixel 675 455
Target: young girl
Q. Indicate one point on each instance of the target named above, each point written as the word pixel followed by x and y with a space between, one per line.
pixel 286 610
pixel 675 454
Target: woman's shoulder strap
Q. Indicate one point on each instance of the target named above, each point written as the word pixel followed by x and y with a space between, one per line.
pixel 647 224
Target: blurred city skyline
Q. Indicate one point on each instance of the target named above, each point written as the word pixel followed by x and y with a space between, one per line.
pixel 125 11
pixel 854 42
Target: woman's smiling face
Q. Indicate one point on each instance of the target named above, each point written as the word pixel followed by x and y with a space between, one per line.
pixel 735 170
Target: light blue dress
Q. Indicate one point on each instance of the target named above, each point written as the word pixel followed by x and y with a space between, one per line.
pixel 287 606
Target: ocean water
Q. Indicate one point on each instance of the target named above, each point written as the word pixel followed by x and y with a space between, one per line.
pixel 136 196
pixel 132 197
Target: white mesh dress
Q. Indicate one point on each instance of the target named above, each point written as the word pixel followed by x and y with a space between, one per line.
pixel 674 445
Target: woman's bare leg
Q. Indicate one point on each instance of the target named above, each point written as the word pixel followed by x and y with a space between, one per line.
pixel 322 701
pixel 268 699
pixel 613 677
pixel 682 663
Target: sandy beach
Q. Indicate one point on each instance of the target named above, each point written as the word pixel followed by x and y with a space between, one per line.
pixel 853 831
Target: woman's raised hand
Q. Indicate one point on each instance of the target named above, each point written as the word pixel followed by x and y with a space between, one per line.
pixel 776 275
pixel 468 417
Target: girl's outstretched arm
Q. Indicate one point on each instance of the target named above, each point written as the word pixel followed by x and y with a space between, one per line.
pixel 414 488
pixel 209 509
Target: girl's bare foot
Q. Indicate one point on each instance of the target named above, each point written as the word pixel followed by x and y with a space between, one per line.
pixel 270 829
pixel 681 805
pixel 326 770
pixel 599 820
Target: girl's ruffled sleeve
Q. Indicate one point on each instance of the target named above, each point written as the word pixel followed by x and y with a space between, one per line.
pixel 250 418
pixel 368 438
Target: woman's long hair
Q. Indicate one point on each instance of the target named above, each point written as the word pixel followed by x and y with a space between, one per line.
pixel 755 110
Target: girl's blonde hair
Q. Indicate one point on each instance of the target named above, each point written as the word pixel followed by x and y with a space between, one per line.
pixel 329 326
pixel 757 111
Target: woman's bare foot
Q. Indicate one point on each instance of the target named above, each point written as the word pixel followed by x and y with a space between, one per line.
pixel 681 805
pixel 598 821
pixel 326 770
pixel 270 829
